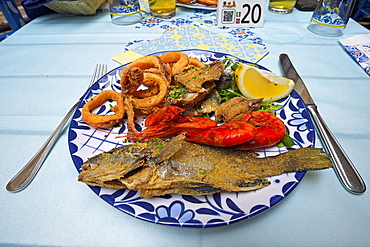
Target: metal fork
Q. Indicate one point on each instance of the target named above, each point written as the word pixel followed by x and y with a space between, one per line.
pixel 24 177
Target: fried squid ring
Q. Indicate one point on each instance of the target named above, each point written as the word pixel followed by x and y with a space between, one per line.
pixel 195 62
pixel 131 79
pixel 148 62
pixel 152 90
pixel 156 71
pixel 106 121
pixel 180 60
pixel 154 100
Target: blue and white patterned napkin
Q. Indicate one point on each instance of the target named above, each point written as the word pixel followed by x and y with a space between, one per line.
pixel 197 31
pixel 359 48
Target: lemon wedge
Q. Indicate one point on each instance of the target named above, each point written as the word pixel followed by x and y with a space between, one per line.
pixel 256 83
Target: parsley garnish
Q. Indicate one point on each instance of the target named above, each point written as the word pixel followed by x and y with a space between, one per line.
pixel 176 92
pixel 230 92
pixel 160 145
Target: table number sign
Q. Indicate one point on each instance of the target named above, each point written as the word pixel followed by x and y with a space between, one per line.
pixel 240 13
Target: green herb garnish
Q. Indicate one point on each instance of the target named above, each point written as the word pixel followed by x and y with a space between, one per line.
pixel 288 141
pixel 140 138
pixel 269 107
pixel 111 106
pixel 230 92
pixel 234 66
pixel 230 63
pixel 176 92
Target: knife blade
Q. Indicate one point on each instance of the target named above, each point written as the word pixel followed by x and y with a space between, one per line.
pixel 343 167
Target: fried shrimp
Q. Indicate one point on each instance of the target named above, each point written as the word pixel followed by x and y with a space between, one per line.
pixel 178 59
pixel 106 121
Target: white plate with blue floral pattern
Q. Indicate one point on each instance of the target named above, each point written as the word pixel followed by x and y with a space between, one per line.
pixel 214 210
pixel 197 6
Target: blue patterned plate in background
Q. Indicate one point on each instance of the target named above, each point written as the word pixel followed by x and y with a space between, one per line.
pixel 197 6
pixel 182 210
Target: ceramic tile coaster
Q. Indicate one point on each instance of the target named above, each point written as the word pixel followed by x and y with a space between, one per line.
pixel 193 37
pixel 198 30
pixel 204 19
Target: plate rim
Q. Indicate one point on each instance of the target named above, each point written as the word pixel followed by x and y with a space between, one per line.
pixel 96 190
pixel 196 6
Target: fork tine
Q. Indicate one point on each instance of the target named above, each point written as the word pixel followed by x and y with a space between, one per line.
pixel 100 70
pixel 103 70
pixel 93 78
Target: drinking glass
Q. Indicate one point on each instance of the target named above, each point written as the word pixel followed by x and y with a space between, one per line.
pixel 282 6
pixel 162 8
pixel 125 12
pixel 330 17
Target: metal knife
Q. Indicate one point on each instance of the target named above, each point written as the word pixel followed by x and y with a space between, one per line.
pixel 345 170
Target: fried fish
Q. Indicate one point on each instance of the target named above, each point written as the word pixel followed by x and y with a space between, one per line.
pixel 158 167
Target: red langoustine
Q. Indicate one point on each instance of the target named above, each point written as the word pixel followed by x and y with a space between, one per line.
pixel 257 129
pixel 270 130
pixel 167 121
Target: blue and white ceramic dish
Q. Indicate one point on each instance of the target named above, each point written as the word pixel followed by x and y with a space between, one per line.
pixel 197 6
pixel 181 210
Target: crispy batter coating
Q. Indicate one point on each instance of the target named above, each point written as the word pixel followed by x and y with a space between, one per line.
pixel 235 109
pixel 106 121
pixel 154 100
pixel 178 60
pixel 194 78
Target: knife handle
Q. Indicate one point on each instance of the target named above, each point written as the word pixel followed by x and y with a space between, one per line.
pixel 349 177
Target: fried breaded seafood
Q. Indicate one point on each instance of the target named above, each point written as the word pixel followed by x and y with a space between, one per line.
pixel 178 60
pixel 158 167
pixel 235 109
pixel 208 2
pixel 205 2
pixel 194 78
pixel 185 1
pixel 151 63
pixel 195 62
pixel 145 85
pixel 194 83
pixel 134 77
pixel 154 100
pixel 106 121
